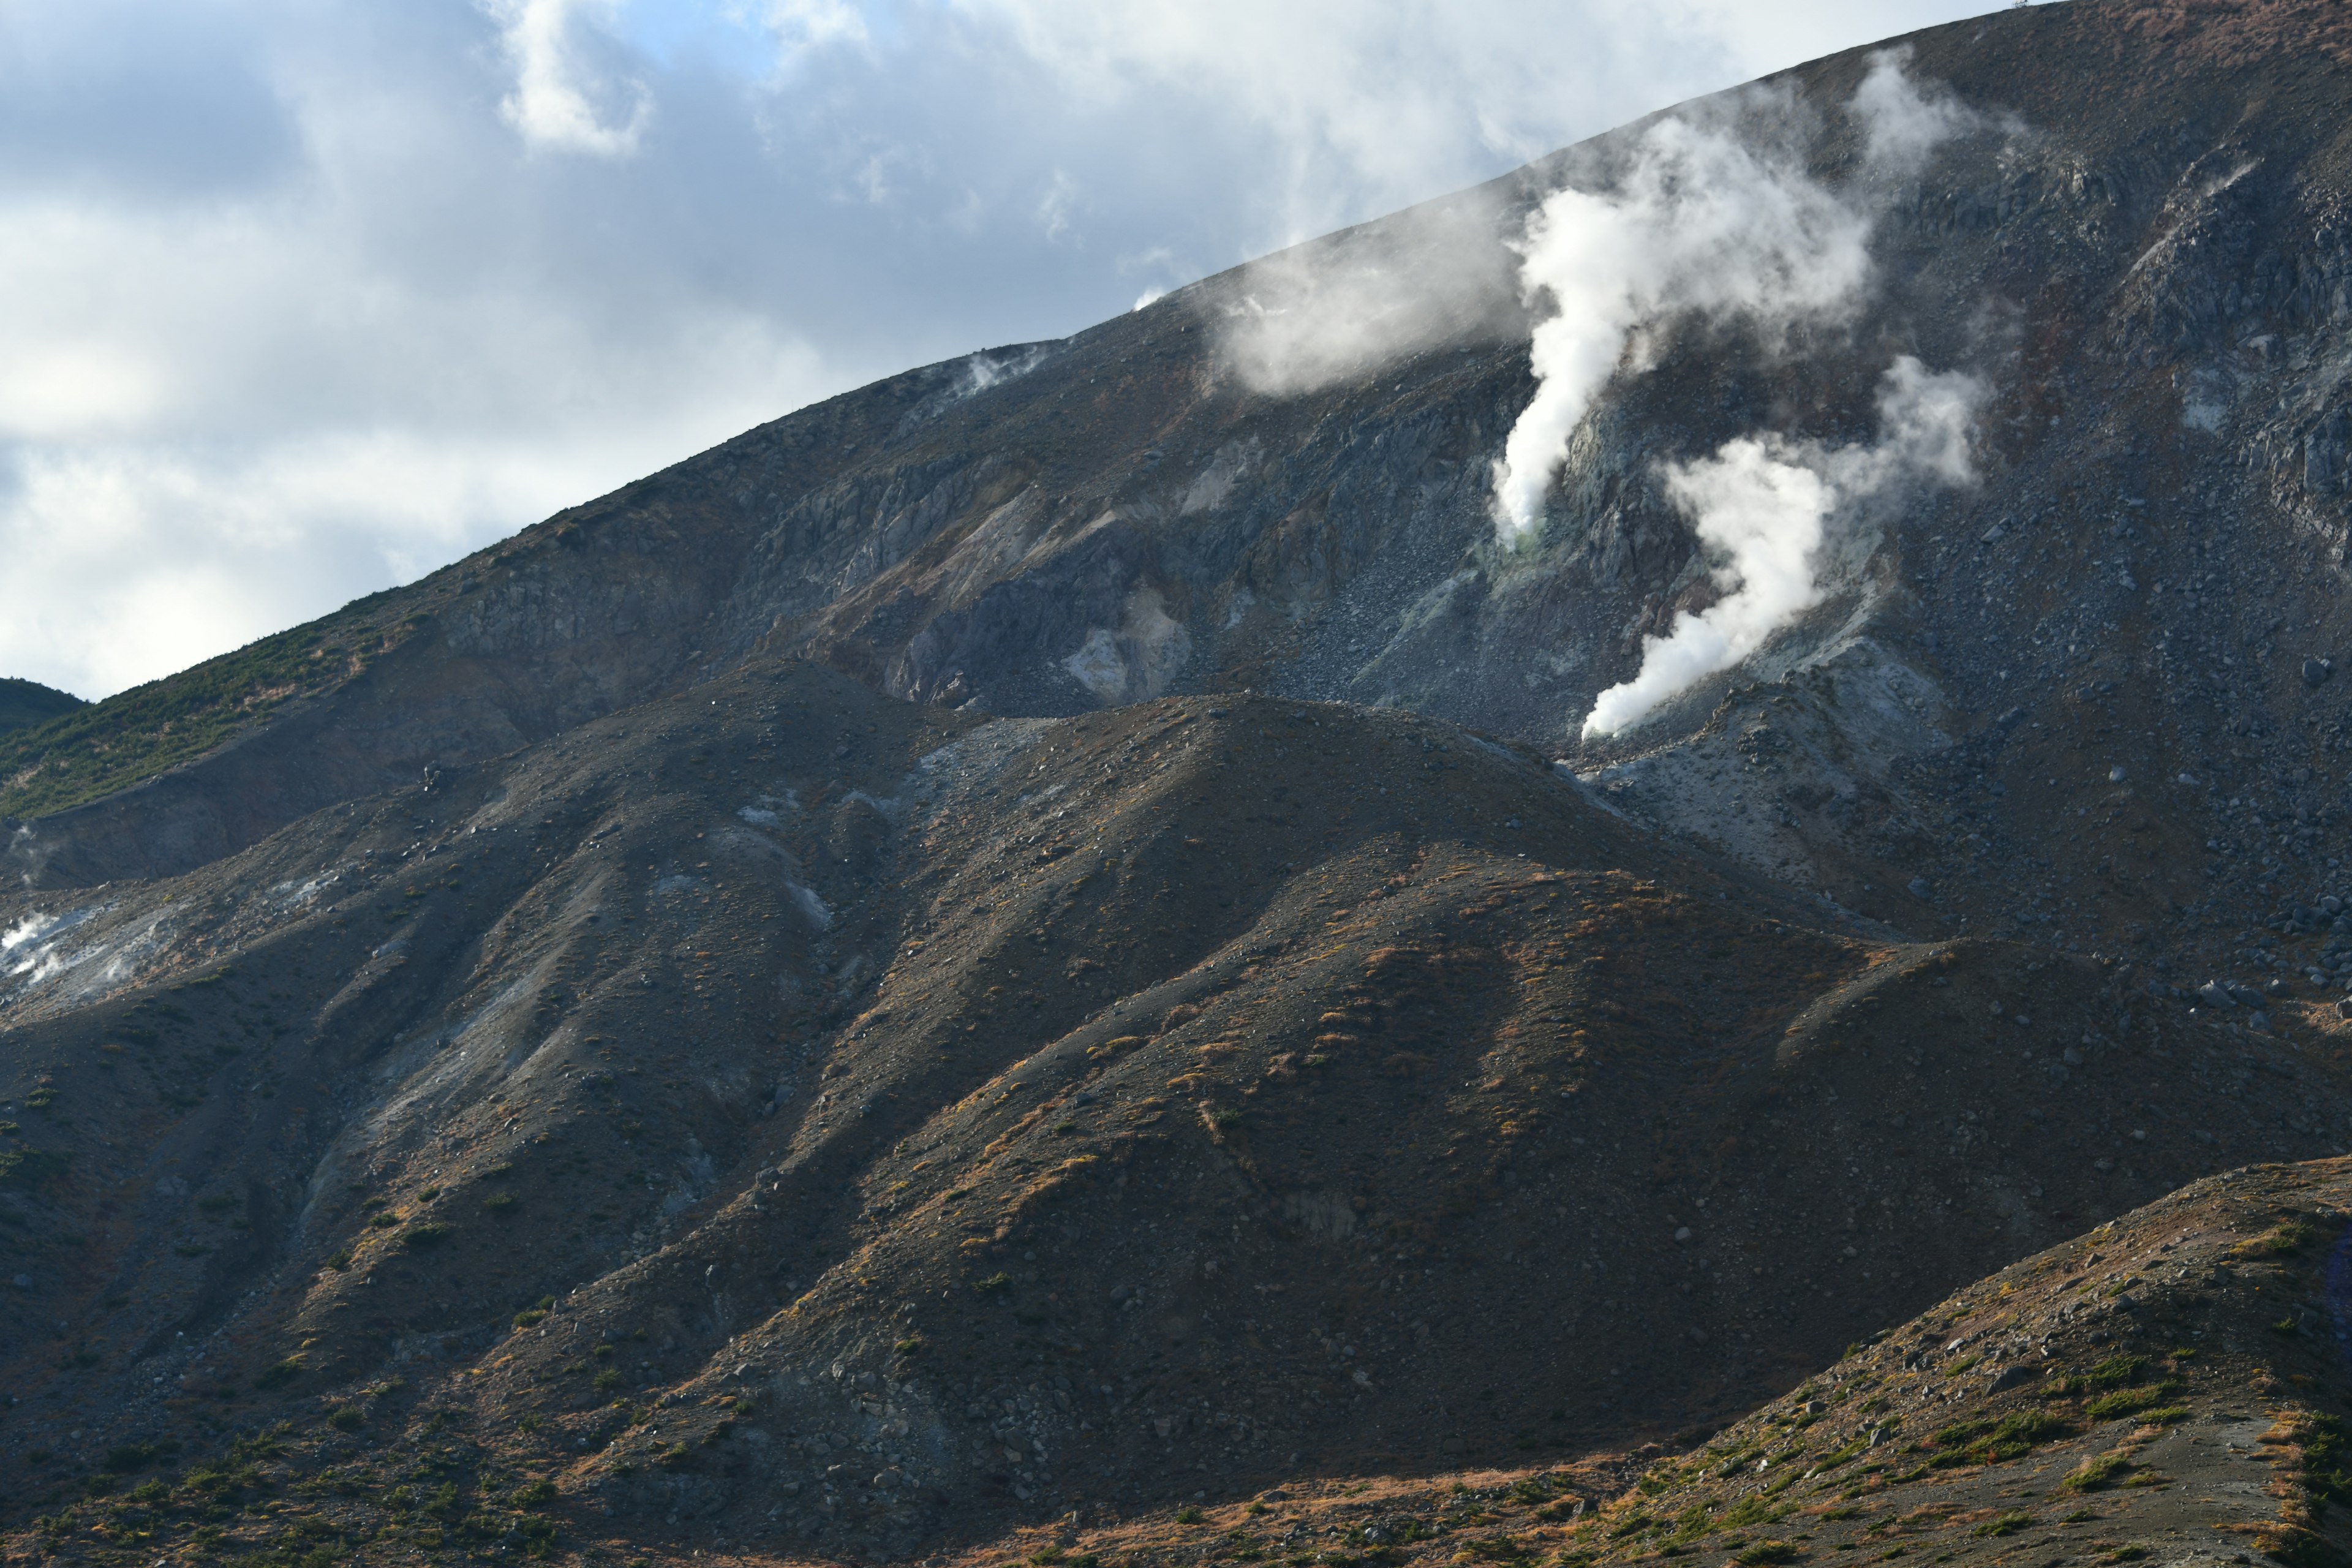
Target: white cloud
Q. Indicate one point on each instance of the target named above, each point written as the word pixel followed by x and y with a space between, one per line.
pixel 814 24
pixel 303 300
pixel 1053 208
pixel 554 101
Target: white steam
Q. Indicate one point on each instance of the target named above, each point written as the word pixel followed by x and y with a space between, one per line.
pixel 1700 224
pixel 1903 123
pixel 1347 306
pixel 1765 503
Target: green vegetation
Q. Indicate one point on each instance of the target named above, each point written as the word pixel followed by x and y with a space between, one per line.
pixel 2094 1473
pixel 2006 1524
pixel 97 748
pixel 1987 1442
pixel 2127 1401
pixel 25 703
pixel 280 1374
pixel 1754 1509
pixel 1764 1552
pixel 2115 1372
pixel 2287 1235
pixel 2327 1460
pixel 28 1167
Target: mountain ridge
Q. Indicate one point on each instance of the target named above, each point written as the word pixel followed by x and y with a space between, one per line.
pixel 1038 947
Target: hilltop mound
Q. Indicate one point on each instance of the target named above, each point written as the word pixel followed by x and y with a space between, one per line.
pixel 2166 1387
pixel 24 703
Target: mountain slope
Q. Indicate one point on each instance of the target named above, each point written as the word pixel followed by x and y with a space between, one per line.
pixel 877 1066
pixel 24 703
pixel 2141 249
pixel 954 966
pixel 2162 1387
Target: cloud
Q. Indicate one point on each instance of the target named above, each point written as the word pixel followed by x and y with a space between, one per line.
pixel 304 299
pixel 1054 206
pixel 1764 504
pixel 816 23
pixel 554 101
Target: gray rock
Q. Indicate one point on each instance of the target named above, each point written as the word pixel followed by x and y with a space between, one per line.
pixel 2213 993
pixel 1921 888
pixel 2259 1023
pixel 2009 1377
pixel 2316 671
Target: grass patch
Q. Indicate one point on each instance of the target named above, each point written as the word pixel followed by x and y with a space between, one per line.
pixel 2287 1235
pixel 2006 1524
pixel 1764 1551
pixel 2129 1401
pixel 2094 1473
pixel 1989 1442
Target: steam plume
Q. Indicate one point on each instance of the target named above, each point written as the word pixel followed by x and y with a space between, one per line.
pixel 1700 224
pixel 1765 501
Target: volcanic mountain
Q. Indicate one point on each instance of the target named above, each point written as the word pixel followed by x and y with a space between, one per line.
pixel 1047 940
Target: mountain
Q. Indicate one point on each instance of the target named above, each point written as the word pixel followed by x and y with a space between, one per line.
pixel 2164 1387
pixel 1050 940
pixel 25 703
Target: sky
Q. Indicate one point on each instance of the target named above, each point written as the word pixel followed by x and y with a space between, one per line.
pixel 301 299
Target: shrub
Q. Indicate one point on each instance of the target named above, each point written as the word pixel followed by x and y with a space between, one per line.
pixel 281 1374
pixel 2125 1401
pixel 2094 1473
pixel 2287 1235
pixel 499 1203
pixel 1754 1509
pixel 346 1417
pixel 538 1494
pixel 1764 1552
pixel 605 1381
pixel 2116 1372
pixel 2006 1524
pixel 1188 1514
pixel 1986 1442
pixel 418 1237
pixel 1000 1280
